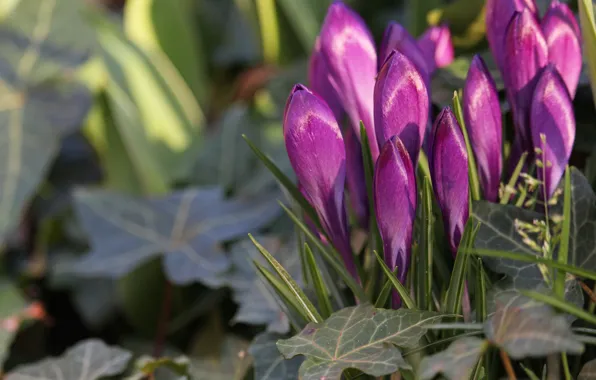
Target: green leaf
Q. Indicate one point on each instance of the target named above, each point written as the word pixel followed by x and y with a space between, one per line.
pixel 588 27
pixel 403 292
pixel 11 306
pixel 301 299
pixel 303 19
pixel 455 292
pixel 40 102
pixel 472 168
pixel 456 362
pixel 162 368
pixel 360 337
pixel 385 292
pixel 171 28
pixel 424 274
pixel 226 361
pixel 561 304
pixel 90 360
pixel 185 228
pixel 524 328
pixel 588 371
pixel 563 251
pixel 510 187
pixel 269 363
pixel 582 250
pixel 318 283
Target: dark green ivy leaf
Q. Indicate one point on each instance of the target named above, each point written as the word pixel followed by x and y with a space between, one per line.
pixel 88 360
pixel 186 227
pixel 526 328
pixel 456 362
pixel 269 364
pixel 360 337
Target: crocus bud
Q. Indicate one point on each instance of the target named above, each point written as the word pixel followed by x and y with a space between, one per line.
pixel 436 47
pixel 395 205
pixel 562 36
pixel 526 55
pixel 482 115
pixel 553 127
pixel 317 154
pixel 349 51
pixel 396 37
pixel 449 172
pixel 401 103
pixel 320 82
pixel 356 180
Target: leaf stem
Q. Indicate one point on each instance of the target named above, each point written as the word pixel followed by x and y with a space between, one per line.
pixel 507 365
pixel 162 328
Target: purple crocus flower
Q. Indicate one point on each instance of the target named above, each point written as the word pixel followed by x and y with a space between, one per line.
pixel 437 47
pixel 396 37
pixel 395 206
pixel 356 180
pixel 449 172
pixel 482 115
pixel 553 126
pixel 401 103
pixel 320 83
pixel 348 49
pixel 562 36
pixel 318 156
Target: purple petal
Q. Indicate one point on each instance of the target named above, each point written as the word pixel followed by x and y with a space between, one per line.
pixel 526 55
pixel 552 117
pixel 320 81
pixel 396 37
pixel 401 103
pixel 482 115
pixel 437 47
pixel 564 46
pixel 449 171
pixel 316 151
pixel 395 204
pixel 498 16
pixel 349 52
pixel 358 196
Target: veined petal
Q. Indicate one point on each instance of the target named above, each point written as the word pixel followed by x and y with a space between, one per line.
pixel 436 47
pixel 356 180
pixel 553 126
pixel 350 55
pixel 396 37
pixel 449 172
pixel 395 204
pixel 482 115
pixel 316 151
pixel 561 32
pixel 320 82
pixel 401 103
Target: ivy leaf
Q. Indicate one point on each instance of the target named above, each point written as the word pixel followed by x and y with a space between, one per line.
pixel 11 304
pixel 360 337
pixel 88 360
pixel 526 328
pixel 257 303
pixel 456 362
pixel 582 240
pixel 186 227
pixel 497 232
pixel 588 371
pixel 40 43
pixel 164 368
pixel 269 363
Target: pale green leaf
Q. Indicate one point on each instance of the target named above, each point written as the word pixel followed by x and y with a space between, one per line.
pixel 456 362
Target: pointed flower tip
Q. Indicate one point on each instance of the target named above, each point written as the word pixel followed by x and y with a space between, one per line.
pixel 396 37
pixel 553 126
pixel 437 47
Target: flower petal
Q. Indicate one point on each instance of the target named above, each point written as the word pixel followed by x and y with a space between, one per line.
pixel 396 37
pixel 437 47
pixel 561 32
pixel 356 180
pixel 552 119
pixel 449 172
pixel 349 52
pixel 395 204
pixel 482 115
pixel 401 103
pixel 316 151
pixel 320 81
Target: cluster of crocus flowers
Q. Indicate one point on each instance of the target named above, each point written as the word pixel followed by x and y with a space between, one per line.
pixel 388 90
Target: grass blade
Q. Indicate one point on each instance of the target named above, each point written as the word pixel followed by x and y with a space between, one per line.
pixel 383 297
pixel 403 292
pixel 319 285
pixel 510 188
pixel 424 271
pixel 300 298
pixel 561 305
pixel 562 257
pixel 588 27
pixel 455 291
pixel 472 172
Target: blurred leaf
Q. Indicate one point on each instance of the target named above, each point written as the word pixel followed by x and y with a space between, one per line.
pixel 228 363
pixel 305 19
pixel 269 364
pixel 163 368
pixel 163 25
pixel 456 362
pixel 239 41
pixel 40 102
pixel 588 27
pixel 588 371
pixel 257 304
pixel 156 114
pixel 582 246
pixel 185 226
pixel 90 359
pixel 11 304
pixel 497 232
pixel 466 19
pixel 524 328
pixel 360 337
pixel 6 7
